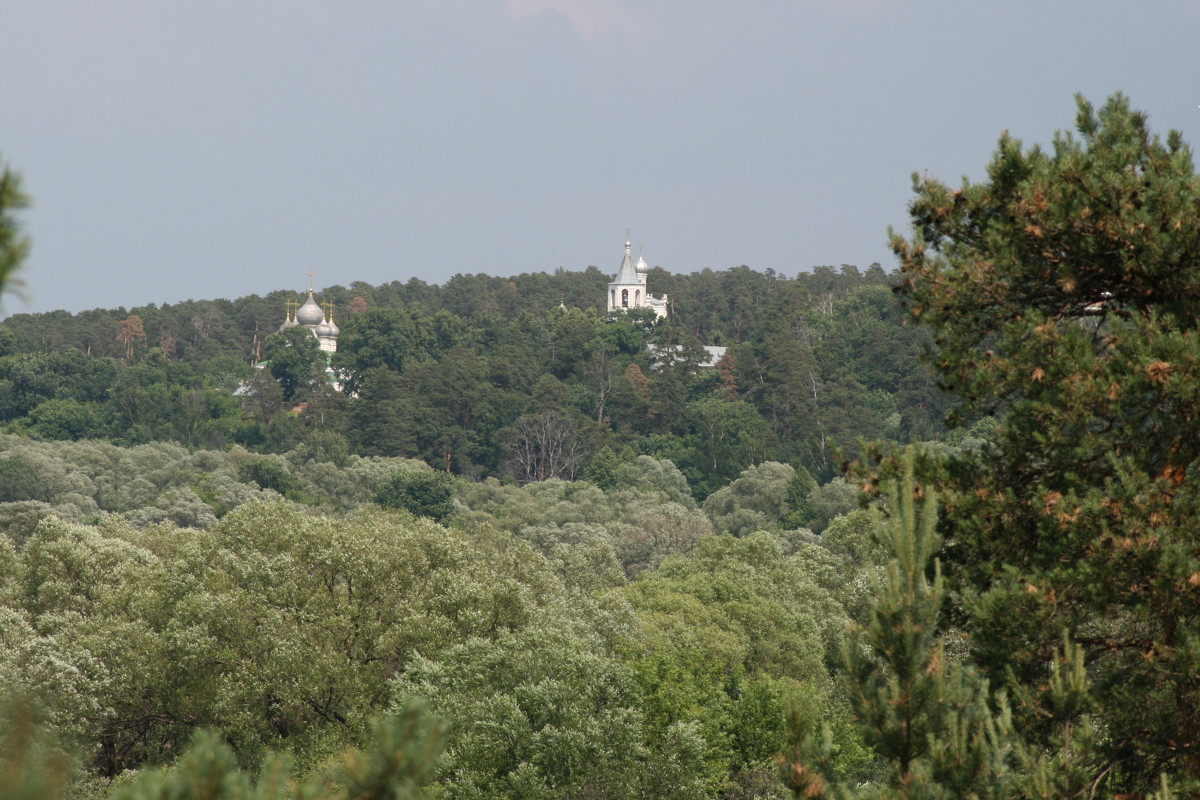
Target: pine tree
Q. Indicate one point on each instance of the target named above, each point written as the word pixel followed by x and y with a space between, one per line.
pixel 396 764
pixel 1063 294
pixel 14 246
pixel 930 720
pixel 936 727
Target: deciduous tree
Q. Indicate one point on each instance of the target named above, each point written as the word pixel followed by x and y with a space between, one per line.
pixel 295 360
pixel 546 445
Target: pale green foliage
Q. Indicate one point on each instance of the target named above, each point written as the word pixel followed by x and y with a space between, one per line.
pixel 538 713
pixel 135 476
pixel 370 471
pixel 70 568
pixel 976 439
pixel 180 506
pixel 63 585
pixel 341 601
pixel 841 560
pixel 755 501
pixel 279 628
pixel 52 477
pixel 584 554
pixel 566 501
pixel 713 627
pixel 741 604
pixel 224 492
pixel 640 523
pixel 660 475
pixel 164 482
pixel 644 655
pixel 853 538
pixel 654 530
pixel 55 669
pixel 506 506
pixel 19 520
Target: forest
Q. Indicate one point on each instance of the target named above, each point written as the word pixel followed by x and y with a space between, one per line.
pixel 925 533
pixel 482 377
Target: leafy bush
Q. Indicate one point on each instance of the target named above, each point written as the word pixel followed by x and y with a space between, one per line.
pixel 270 473
pixel 424 493
pixel 19 480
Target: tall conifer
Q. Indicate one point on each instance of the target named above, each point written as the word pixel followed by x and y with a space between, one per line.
pixel 1063 293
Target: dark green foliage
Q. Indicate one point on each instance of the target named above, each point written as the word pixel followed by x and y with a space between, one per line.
pixel 66 419
pixel 296 361
pixel 1063 294
pixel 424 493
pixel 729 437
pixel 68 395
pixel 270 473
pixel 19 479
pixel 395 765
pixel 380 420
pixel 602 468
pixel 8 342
pixel 798 491
pixel 31 379
pixel 444 373
pixel 385 337
pixel 928 719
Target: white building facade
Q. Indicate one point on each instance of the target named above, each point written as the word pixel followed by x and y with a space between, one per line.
pixel 628 289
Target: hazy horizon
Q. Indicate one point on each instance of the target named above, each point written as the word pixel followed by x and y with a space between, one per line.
pixel 177 150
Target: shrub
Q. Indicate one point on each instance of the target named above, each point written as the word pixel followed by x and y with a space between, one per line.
pixel 424 493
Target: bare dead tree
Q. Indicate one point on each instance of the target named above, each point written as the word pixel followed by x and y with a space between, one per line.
pixel 825 304
pixel 131 331
pixel 602 373
pixel 545 446
pixel 206 322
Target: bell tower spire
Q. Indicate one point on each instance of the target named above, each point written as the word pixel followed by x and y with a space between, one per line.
pixel 628 288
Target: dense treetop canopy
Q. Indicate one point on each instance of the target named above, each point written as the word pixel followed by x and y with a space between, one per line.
pixel 530 550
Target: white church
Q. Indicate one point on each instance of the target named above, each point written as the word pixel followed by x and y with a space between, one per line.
pixel 320 322
pixel 628 289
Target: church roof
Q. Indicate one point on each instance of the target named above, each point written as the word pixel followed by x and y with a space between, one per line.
pixel 627 274
pixel 310 313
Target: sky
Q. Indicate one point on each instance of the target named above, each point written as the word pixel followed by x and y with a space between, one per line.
pixel 181 150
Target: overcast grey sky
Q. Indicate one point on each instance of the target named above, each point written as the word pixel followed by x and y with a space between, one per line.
pixel 180 150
